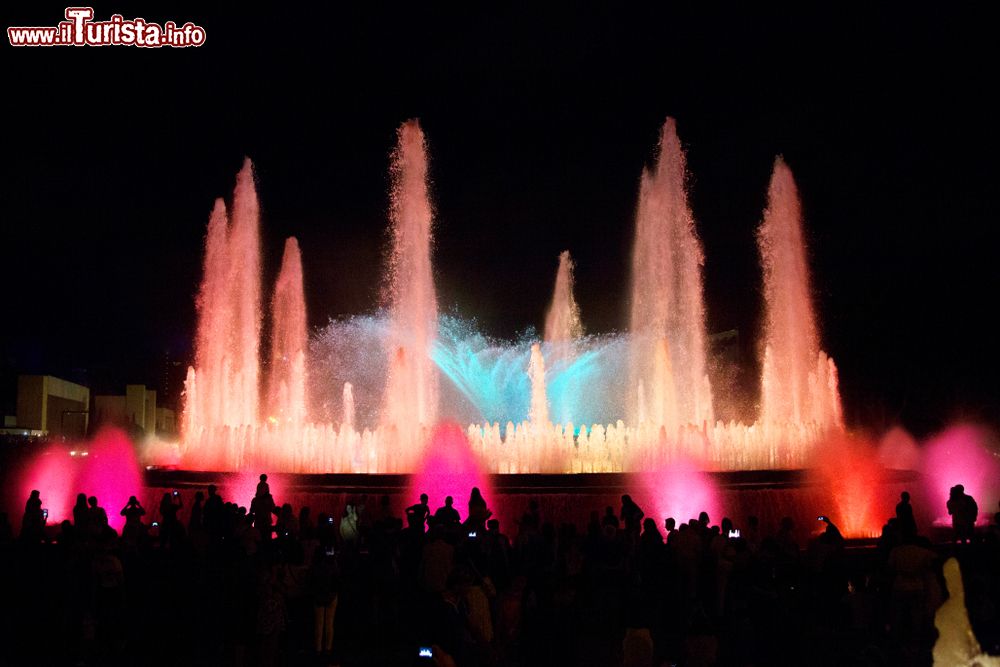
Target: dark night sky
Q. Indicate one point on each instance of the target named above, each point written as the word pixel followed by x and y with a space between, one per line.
pixel 539 125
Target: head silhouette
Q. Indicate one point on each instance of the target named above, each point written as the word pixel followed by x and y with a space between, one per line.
pixel 93 501
pixel 424 498
pixel 905 496
pixel 449 501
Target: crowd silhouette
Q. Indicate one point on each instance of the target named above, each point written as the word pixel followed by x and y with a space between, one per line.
pixel 259 584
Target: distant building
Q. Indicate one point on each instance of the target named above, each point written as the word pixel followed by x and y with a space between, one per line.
pixel 136 410
pixel 48 405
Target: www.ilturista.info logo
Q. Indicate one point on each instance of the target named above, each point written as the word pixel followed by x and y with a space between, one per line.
pixel 79 29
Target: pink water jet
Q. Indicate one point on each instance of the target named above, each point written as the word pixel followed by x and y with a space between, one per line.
pixel 105 466
pixel 411 395
pixel 667 300
pixel 223 387
pixel 799 381
pixel 449 467
pixel 680 490
pixel 289 342
pixel 965 454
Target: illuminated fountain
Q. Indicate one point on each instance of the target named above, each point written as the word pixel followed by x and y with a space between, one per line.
pixel 366 394
pixel 289 343
pixel 563 329
pixel 799 383
pixel 222 389
pixel 411 397
pixel 667 367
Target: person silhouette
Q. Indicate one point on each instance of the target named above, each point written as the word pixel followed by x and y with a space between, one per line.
pixel 213 511
pixel 262 507
pixel 671 530
pixel 479 514
pixel 631 515
pixel 97 517
pixel 263 488
pixel 133 513
pixel 416 515
pixel 170 505
pixel 447 515
pixel 81 513
pixel 33 520
pixel 323 585
pixel 904 516
pixel 197 518
pixel 964 511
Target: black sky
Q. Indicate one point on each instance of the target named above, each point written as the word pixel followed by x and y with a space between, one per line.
pixel 539 123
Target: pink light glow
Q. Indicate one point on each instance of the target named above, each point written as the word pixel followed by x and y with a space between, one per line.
pixel 968 455
pixel 449 468
pixel 109 470
pixel 679 490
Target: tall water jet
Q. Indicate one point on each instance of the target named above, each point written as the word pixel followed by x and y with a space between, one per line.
pixel 412 389
pixel 244 281
pixel 799 381
pixel 667 301
pixel 562 323
pixel 562 329
pixel 287 385
pixel 222 389
pixel 205 388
